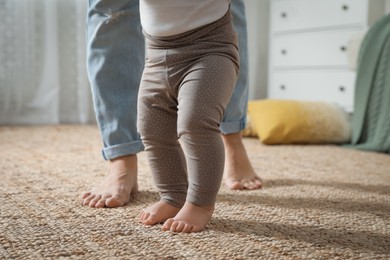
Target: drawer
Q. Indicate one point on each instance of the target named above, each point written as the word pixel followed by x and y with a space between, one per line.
pixel 328 86
pixel 287 15
pixel 325 48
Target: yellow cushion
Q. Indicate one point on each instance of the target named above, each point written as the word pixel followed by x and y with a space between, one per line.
pixel 291 121
pixel 249 130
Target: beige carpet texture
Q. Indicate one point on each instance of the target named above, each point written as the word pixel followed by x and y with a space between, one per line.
pixel 318 202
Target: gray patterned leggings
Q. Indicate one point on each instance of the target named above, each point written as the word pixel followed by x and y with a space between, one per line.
pixel 186 85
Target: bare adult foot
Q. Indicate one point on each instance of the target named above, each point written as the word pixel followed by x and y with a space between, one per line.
pixel 117 187
pixel 239 173
pixel 190 219
pixel 157 213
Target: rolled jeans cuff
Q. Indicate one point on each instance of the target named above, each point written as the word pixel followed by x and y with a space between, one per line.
pixel 120 150
pixel 233 127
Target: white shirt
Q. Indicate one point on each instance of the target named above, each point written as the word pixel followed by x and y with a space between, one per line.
pixel 170 17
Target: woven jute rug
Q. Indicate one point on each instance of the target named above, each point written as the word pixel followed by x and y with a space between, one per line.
pixel 318 202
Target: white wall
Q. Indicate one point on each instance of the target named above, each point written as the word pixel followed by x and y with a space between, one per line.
pixel 257 12
pixel 388 6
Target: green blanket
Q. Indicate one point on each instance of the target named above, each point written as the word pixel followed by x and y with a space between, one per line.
pixel 371 118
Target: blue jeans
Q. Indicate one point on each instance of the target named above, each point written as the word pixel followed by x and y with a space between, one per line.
pixel 115 60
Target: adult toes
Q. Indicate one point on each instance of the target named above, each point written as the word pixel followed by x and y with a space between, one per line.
pixel 88 199
pixel 102 202
pixel 85 195
pixel 252 184
pixel 114 202
pixel 235 185
pixel 93 202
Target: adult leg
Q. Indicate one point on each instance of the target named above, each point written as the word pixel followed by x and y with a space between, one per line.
pixel 115 57
pixel 239 173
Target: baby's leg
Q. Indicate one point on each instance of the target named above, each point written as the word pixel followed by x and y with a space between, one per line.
pixel 203 97
pixel 157 124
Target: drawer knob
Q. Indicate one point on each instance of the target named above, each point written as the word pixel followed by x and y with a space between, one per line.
pixel 345 7
pixel 343 48
pixel 283 51
pixel 283 15
pixel 282 87
pixel 342 89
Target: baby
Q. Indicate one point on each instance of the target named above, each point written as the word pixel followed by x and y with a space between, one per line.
pixel 190 72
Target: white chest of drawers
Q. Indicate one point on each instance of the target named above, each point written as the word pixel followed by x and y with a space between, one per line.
pixel 308 48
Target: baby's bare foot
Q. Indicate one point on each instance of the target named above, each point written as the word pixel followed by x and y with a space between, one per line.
pixel 239 173
pixel 157 213
pixel 119 184
pixel 190 219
